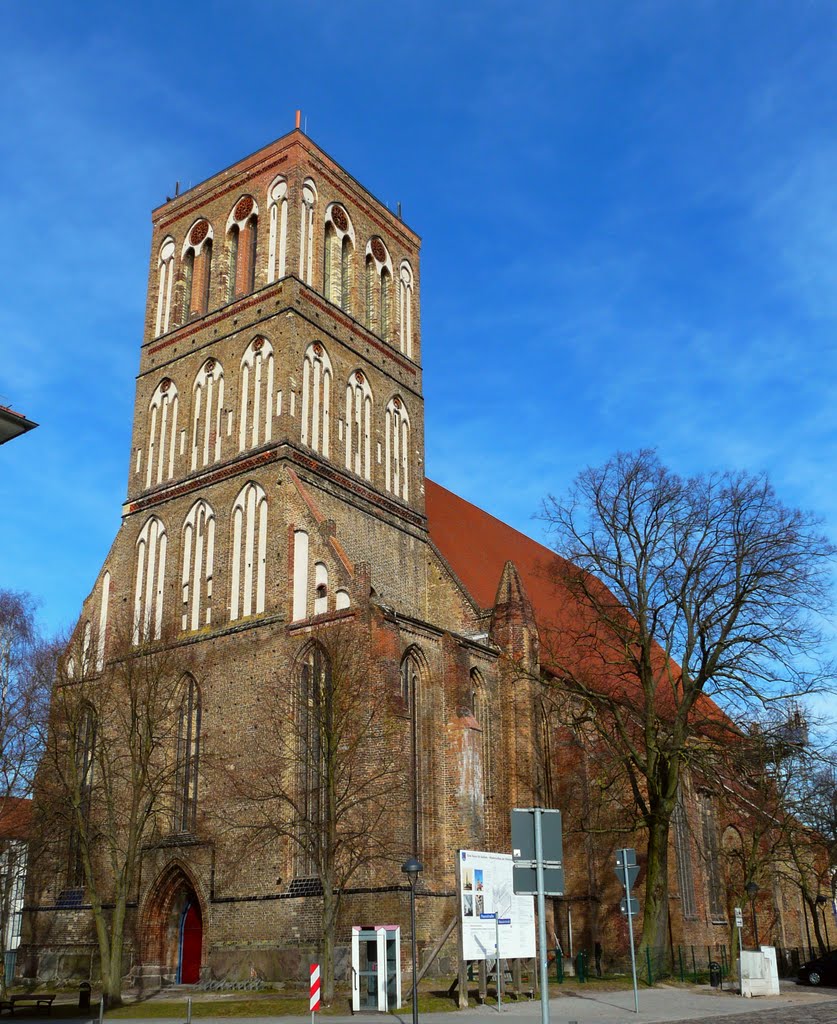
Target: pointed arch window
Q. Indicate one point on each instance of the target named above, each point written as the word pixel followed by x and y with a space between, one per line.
pixel 196 259
pixel 277 250
pixel 198 558
pixel 82 736
pixel 411 695
pixel 150 581
pixel 405 309
pixel 683 857
pixel 378 288
pixel 316 399
pixel 256 403
pixel 397 449
pixel 249 547
pixel 338 257
pixel 242 234
pixel 314 713
pixel 103 621
pixel 188 757
pixel 358 425
pixel 306 231
pixel 207 403
pixel 709 827
pixel 479 709
pixel 165 284
pixel 162 433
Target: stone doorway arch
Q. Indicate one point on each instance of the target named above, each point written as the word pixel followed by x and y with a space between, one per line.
pixel 172 928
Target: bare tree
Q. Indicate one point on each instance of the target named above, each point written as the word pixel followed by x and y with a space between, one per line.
pixel 692 602
pixel 107 785
pixel 26 664
pixel 321 776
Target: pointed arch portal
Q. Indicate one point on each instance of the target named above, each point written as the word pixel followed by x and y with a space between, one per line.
pixel 173 927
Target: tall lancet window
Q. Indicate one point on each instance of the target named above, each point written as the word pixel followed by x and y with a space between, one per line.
pixel 397 449
pixel 411 695
pixel 162 433
pixel 101 636
pixel 277 249
pixel 314 733
pixel 165 284
pixel 196 259
pixel 338 257
pixel 81 734
pixel 316 398
pixel 256 404
pixel 188 757
pixel 198 559
pixel 150 581
pixel 207 403
pixel 479 709
pixel 242 234
pixel 378 288
pixel 306 231
pixel 359 425
pixel 405 309
pixel 249 552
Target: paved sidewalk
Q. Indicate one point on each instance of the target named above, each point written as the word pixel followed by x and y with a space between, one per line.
pixel 656 1006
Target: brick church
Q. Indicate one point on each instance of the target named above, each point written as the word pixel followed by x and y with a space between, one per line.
pixel 276 496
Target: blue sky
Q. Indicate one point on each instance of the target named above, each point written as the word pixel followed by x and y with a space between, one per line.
pixel 629 218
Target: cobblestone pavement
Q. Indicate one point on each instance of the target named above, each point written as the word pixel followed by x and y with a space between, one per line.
pixel 816 1013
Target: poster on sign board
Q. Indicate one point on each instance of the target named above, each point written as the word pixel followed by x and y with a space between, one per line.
pixel 485 888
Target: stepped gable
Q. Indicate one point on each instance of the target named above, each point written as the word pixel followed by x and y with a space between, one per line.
pixel 477 547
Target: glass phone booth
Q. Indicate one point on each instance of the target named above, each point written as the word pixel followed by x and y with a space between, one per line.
pixel 376 967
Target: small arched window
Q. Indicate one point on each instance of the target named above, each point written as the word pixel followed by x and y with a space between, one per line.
pixel 299 609
pixel 165 284
pixel 198 558
pixel 207 403
pixel 306 231
pixel 338 257
pixel 316 399
pixel 242 233
pixel 397 449
pixel 150 581
pixel 249 552
pixel 320 588
pixel 358 425
pixel 405 309
pixel 86 644
pixel 188 757
pixel 277 252
pixel 256 403
pixel 378 288
pixel 162 433
pixel 197 266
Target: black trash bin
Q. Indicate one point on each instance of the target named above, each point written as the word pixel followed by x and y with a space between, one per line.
pixel 84 995
pixel 714 974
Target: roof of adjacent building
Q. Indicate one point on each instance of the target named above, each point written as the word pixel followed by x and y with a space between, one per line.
pixel 13 424
pixel 15 817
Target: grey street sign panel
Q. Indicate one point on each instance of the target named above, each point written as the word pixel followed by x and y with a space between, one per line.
pixel 623 905
pixel 633 871
pixel 524 870
pixel 630 856
pixel 523 835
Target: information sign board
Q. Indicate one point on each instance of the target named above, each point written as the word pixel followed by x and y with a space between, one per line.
pixel 485 886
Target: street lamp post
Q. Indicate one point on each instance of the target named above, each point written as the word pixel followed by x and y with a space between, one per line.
pixel 412 868
pixel 821 902
pixel 752 889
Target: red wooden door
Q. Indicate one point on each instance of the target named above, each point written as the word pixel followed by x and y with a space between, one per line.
pixel 191 939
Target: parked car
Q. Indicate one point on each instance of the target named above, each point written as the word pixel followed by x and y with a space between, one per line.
pixel 822 971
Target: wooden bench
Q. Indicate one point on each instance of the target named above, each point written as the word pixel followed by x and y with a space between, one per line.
pixel 37 999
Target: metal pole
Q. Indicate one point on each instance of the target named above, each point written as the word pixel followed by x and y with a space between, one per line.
pixel 415 955
pixel 740 965
pixel 497 952
pixel 102 1008
pixel 188 1010
pixel 755 920
pixel 541 916
pixel 630 926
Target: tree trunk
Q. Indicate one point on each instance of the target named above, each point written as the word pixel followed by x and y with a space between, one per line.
pixel 655 912
pixel 815 917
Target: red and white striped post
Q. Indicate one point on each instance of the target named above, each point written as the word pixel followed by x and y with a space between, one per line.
pixel 314 990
